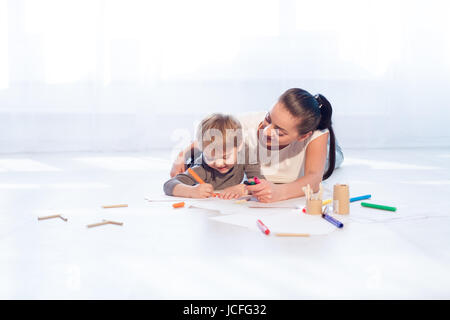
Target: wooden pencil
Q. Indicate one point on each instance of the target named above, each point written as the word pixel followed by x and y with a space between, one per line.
pixel 97 224
pixel 114 222
pixel 50 217
pixel 292 234
pixel 115 206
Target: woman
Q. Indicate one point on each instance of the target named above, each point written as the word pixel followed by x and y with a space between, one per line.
pixel 296 135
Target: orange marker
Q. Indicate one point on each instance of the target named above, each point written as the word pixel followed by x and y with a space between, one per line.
pixel 178 205
pixel 195 176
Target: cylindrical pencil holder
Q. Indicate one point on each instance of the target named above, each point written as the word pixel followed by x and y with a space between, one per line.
pixel 341 199
pixel 314 206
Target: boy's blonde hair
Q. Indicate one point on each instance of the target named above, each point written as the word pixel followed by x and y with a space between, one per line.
pixel 219 132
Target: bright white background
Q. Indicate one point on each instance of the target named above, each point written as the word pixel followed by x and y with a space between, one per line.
pixel 128 75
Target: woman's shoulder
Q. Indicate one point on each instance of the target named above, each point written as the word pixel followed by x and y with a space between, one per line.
pixel 299 146
pixel 317 133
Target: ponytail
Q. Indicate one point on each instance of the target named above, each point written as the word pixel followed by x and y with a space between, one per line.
pixel 315 113
pixel 325 123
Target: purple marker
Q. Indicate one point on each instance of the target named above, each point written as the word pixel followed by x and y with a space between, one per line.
pixel 331 219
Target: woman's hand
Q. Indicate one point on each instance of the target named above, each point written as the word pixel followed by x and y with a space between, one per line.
pixel 233 192
pixel 265 191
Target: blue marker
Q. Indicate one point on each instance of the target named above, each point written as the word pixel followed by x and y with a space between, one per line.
pixel 368 196
pixel 331 219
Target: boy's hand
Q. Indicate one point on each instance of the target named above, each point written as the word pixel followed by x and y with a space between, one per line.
pixel 201 191
pixel 233 192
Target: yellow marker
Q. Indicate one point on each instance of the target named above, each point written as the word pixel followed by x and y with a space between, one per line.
pixel 325 202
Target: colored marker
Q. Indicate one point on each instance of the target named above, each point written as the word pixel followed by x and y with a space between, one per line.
pixel 262 227
pixel 332 220
pixel 195 176
pixel 378 206
pixel 257 181
pixel 368 196
pixel 178 205
pixel 249 183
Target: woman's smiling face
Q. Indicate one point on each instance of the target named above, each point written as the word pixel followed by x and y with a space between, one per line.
pixel 279 128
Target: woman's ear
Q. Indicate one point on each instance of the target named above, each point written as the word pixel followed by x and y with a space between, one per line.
pixel 305 136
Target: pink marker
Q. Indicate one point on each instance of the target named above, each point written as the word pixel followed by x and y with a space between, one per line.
pixel 262 227
pixel 257 181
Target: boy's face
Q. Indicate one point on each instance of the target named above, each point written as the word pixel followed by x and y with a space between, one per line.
pixel 221 161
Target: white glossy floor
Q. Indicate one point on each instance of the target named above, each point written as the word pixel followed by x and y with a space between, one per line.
pixel 162 253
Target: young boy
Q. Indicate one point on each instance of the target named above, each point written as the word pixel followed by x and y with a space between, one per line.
pixel 222 163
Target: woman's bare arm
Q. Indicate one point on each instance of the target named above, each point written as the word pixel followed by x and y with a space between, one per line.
pixel 315 159
pixel 179 164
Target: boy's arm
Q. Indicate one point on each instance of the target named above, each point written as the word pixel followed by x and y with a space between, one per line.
pixel 181 185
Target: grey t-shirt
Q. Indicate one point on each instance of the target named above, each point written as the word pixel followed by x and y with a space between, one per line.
pixel 218 180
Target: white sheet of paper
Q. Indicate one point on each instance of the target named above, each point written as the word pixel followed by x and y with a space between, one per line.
pixel 296 203
pixel 164 198
pixel 291 221
pixel 212 204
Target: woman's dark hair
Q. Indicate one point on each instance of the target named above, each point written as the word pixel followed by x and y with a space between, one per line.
pixel 315 114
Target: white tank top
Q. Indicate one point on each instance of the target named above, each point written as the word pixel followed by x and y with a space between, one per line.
pixel 291 164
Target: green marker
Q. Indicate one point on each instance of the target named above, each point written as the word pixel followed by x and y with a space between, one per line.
pixel 377 206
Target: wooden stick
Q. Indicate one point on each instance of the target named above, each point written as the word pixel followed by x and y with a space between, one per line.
pixel 114 222
pixel 51 217
pixel 97 224
pixel 103 223
pixel 292 234
pixel 115 206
